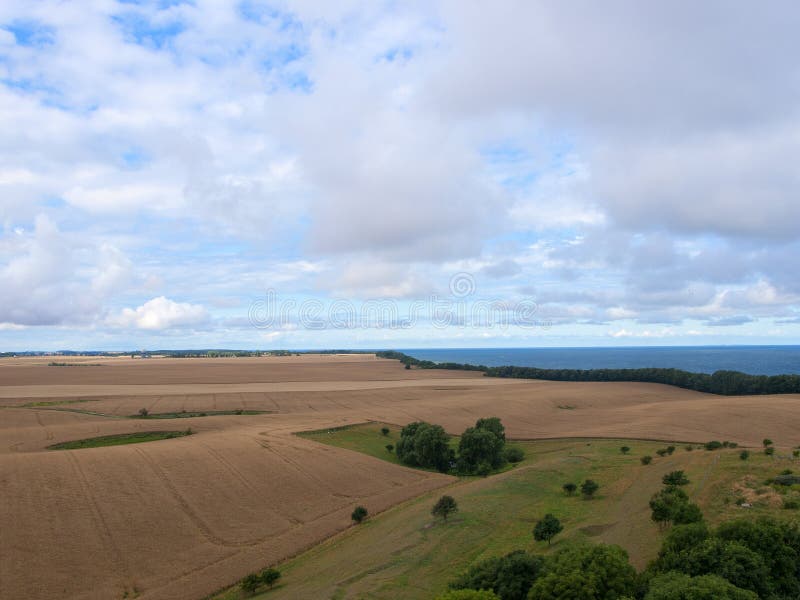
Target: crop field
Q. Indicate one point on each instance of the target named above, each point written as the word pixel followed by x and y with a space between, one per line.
pixel 184 517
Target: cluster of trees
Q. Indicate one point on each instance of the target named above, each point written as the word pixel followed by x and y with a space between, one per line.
pixel 740 560
pixel 727 383
pixel 481 449
pixel 252 582
pixel 671 505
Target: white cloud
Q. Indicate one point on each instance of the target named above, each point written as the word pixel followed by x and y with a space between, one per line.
pixel 161 313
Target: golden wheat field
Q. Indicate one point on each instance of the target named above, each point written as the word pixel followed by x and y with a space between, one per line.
pixel 181 518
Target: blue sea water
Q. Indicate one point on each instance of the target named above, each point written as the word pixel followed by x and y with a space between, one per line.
pixel 757 360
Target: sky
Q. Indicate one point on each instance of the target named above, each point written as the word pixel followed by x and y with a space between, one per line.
pixel 375 174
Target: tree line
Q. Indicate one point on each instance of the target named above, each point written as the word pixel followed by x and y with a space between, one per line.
pixel 726 383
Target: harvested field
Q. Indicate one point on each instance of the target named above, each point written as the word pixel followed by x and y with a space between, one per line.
pixel 181 518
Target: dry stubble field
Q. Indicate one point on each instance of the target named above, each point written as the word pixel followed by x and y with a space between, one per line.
pixel 181 518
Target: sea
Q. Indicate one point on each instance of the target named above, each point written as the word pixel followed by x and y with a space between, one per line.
pixel 756 360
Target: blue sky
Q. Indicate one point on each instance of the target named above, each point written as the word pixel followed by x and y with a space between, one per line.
pixel 397 174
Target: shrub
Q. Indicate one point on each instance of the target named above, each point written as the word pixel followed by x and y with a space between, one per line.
pixel 389 447
pixel 514 454
pixel 250 583
pixel 646 460
pixel 767 442
pixel 625 449
pixel 675 478
pixel 796 453
pixel 509 576
pixel 143 412
pixel 661 451
pixel 744 455
pixel 689 447
pixel 359 514
pixel 569 488
pixel 786 479
pixel 769 450
pixel 385 430
pixel 670 449
pixel 712 445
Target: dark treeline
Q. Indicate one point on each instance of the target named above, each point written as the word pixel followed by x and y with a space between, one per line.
pixel 726 383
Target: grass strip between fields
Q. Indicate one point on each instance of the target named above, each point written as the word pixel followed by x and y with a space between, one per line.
pixel 120 439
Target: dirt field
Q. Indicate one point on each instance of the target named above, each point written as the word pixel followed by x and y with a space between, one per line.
pixel 181 518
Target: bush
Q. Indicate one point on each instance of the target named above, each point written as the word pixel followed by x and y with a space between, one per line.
pixel 514 454
pixel 688 447
pixel 712 445
pixel 509 576
pixel 675 478
pixel 389 447
pixel 670 449
pixel 270 577
pixel 385 430
pixel 646 460
pixel 769 450
pixel 625 449
pixel 767 442
pixel 359 514
pixel 143 412
pixel 744 455
pixel 796 453
pixel 569 488
pixel 661 451
pixel 250 583
pixel 786 479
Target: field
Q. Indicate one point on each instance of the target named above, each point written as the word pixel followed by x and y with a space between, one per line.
pixel 182 518
pixel 407 553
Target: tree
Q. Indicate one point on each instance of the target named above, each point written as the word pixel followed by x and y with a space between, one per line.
pixel 389 447
pixel 385 430
pixel 424 445
pixel 569 488
pixel 769 450
pixel 270 577
pixel 359 514
pixel 675 478
pixel 547 528
pixel 625 449
pixel 250 583
pixel 586 572
pixel 679 586
pixel 744 455
pixel 661 451
pixel 588 488
pixel 143 412
pixel 646 459
pixel 670 449
pixel 513 454
pixel 445 506
pixel 767 442
pixel 509 576
pixel 483 443
pixel 672 505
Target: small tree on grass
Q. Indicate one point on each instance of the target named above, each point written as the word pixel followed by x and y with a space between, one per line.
pixel 767 442
pixel 250 583
pixel 744 455
pixel 769 450
pixel 143 412
pixel 625 449
pixel 675 478
pixel 389 447
pixel 588 488
pixel 385 430
pixel 646 460
pixel 661 451
pixel 445 506
pixel 359 514
pixel 569 488
pixel 670 449
pixel 547 528
pixel 270 577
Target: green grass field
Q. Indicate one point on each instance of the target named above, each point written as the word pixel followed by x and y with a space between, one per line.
pixel 119 439
pixel 406 553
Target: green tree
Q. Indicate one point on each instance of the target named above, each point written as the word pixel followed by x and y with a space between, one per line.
pixel 675 478
pixel 359 514
pixel 767 442
pixel 424 445
pixel 514 454
pixel 509 576
pixel 250 583
pixel 385 430
pixel 769 450
pixel 444 507
pixel 595 572
pixel 569 488
pixel 483 443
pixel 389 447
pixel 670 449
pixel 270 577
pixel 547 528
pixel 143 412
pixel 625 449
pixel 646 459
pixel 744 455
pixel 588 488
pixel 679 586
